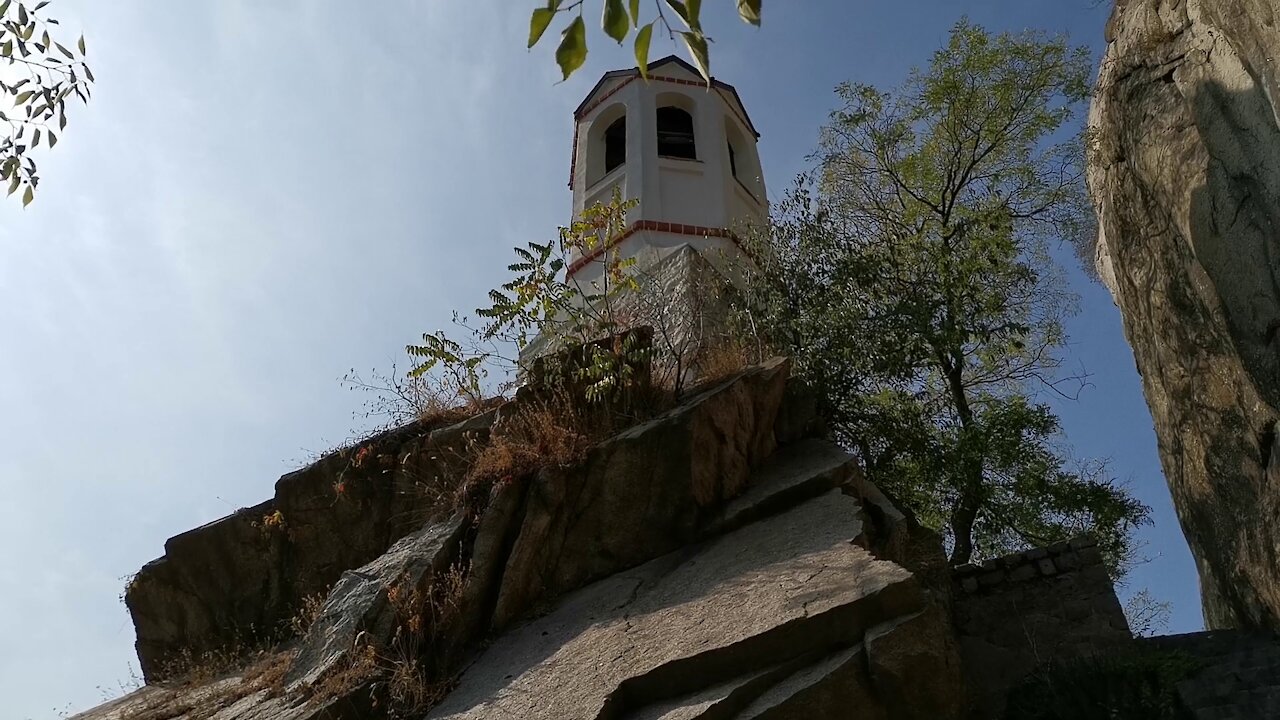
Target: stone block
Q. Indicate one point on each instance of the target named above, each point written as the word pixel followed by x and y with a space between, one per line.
pixel 1084 541
pixel 1025 571
pixel 1067 562
pixel 1090 556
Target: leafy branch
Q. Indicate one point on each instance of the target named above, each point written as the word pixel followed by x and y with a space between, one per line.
pixel 618 20
pixel 542 307
pixel 49 74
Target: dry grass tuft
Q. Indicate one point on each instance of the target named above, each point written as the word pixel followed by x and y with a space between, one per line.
pixel 308 612
pixel 550 431
pixel 723 360
pixel 215 681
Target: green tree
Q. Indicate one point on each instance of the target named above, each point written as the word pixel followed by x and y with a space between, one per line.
pixel 620 18
pixel 542 309
pixel 909 275
pixel 47 74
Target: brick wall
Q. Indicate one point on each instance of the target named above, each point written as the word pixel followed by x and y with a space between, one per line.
pixel 1015 612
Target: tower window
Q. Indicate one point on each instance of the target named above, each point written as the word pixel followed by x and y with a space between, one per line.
pixel 675 134
pixel 615 144
pixel 733 161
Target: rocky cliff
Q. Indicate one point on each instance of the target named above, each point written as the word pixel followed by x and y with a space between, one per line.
pixel 1185 172
pixel 712 559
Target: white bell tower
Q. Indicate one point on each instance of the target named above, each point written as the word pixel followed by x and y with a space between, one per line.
pixel 685 151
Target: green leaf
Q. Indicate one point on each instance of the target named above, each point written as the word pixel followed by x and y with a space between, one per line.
pixel 680 9
pixel 695 13
pixel 572 52
pixel 635 13
pixel 15 181
pixel 4 6
pixel 80 45
pixel 749 11
pixel 23 97
pixel 615 22
pixel 35 138
pixel 53 139
pixel 697 44
pixel 642 49
pixel 538 24
pixel 28 196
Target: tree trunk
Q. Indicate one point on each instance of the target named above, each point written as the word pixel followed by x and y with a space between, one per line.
pixel 965 512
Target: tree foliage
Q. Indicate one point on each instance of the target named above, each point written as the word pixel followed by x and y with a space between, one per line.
pixel 45 73
pixel 910 276
pixel 543 304
pixel 619 19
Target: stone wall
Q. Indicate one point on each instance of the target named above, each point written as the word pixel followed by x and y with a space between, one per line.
pixel 1239 675
pixel 1016 612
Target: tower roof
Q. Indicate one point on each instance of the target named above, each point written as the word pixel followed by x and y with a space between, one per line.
pixel 727 91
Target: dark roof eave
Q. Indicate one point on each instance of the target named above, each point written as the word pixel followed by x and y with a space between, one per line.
pixel 635 72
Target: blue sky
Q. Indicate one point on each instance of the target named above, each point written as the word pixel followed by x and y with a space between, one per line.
pixel 263 195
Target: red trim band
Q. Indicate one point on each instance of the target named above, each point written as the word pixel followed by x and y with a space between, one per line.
pixel 654 226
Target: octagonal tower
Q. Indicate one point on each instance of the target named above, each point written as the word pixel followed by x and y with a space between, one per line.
pixel 685 151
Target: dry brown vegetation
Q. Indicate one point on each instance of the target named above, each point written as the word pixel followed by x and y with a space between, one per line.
pixel 548 426
pixel 213 681
pixel 415 669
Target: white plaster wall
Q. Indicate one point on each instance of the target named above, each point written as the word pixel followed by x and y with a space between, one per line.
pixel 701 192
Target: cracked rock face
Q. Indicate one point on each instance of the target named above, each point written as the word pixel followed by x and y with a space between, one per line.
pixel 1185 173
pixel 711 563
pixel 766 616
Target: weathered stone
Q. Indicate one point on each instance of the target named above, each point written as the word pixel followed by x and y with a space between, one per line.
pixel 488 559
pixel 991 578
pixel 1025 571
pixel 1187 245
pixel 1084 541
pixel 798 416
pixel 829 688
pixel 914 663
pixel 359 602
pixel 1008 629
pixel 726 699
pixel 238 579
pixel 642 493
pixel 784 587
pixel 794 474
pixel 1067 561
pixel 229 698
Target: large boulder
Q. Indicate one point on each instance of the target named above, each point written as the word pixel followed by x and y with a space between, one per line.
pixel 784 605
pixel 361 601
pixel 689 567
pixel 1185 173
pixel 235 581
pixel 643 493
